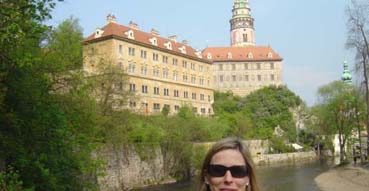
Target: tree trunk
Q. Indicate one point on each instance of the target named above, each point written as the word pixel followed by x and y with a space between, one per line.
pixel 366 85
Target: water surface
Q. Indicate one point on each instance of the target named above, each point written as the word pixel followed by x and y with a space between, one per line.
pixel 292 177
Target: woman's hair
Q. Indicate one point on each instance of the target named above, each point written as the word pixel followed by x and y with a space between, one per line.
pixel 225 144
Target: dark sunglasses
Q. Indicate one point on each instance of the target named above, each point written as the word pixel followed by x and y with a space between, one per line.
pixel 216 170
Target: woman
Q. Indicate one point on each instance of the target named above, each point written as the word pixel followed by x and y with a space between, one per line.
pixel 228 166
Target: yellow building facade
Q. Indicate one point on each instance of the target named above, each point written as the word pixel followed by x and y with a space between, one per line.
pixel 161 71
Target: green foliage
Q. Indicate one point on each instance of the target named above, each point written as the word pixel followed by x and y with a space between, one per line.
pixel 9 181
pixel 48 128
pixel 337 111
pixel 198 157
pixel 256 115
pixel 225 103
pixel 279 145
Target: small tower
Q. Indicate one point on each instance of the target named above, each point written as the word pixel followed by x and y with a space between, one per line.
pixel 111 18
pixel 346 75
pixel 242 25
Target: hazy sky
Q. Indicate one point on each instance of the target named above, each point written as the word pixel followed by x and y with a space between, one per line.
pixel 309 34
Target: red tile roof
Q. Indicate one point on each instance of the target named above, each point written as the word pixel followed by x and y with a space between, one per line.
pixel 259 53
pixel 115 30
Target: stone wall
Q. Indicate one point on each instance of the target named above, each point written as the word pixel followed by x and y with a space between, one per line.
pixel 284 158
pixel 125 169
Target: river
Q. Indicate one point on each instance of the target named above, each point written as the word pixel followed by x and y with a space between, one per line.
pixel 292 177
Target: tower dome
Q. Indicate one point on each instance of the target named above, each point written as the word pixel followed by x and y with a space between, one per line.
pixel 346 75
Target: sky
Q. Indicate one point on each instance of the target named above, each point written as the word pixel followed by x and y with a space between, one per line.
pixel 309 35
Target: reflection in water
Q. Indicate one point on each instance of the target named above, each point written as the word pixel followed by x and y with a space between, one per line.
pixel 294 177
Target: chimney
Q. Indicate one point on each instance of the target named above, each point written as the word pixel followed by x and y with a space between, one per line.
pixel 173 38
pixel 185 42
pixel 155 32
pixel 133 25
pixel 111 18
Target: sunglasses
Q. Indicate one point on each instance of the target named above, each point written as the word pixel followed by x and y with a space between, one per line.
pixel 216 170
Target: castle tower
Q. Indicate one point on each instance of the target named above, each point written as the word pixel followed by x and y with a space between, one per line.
pixel 346 75
pixel 242 25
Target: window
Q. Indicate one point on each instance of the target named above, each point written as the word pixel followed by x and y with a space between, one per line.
pixel 132 87
pixel 131 51
pixel 156 72
pixel 165 59
pixel 143 54
pixel 175 61
pixel 202 97
pixel 132 104
pixel 203 110
pixel 246 77
pixel 220 67
pixel 201 81
pixel 144 89
pixel 244 37
pixel 221 78
pixel 165 73
pixel 271 65
pixel 258 66
pixel 156 90
pixel 246 66
pixel 233 66
pixel 193 95
pixel 184 64
pixel 272 77
pixel 176 93
pixel 185 94
pixel 176 107
pixel 166 91
pixel 144 70
pixel 193 66
pixel 193 79
pixel 175 76
pixel 131 68
pixel 155 56
pixel 156 107
pixel 209 98
pixel 185 78
pixel 201 68
pixel 120 49
pixel 167 107
pixel 234 78
pixel 259 77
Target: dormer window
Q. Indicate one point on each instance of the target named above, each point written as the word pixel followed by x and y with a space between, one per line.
pixel 229 55
pixel 182 49
pixel 198 54
pixel 98 33
pixel 209 56
pixel 250 55
pixel 270 55
pixel 154 41
pixel 130 34
pixel 168 45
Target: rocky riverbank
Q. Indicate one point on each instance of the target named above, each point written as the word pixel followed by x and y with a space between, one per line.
pixel 353 178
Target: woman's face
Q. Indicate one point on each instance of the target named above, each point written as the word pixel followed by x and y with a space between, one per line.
pixel 227 182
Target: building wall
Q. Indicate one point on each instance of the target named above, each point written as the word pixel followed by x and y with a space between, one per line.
pixel 160 81
pixel 244 77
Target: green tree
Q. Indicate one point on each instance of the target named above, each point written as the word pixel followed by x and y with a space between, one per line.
pixel 47 134
pixel 358 31
pixel 337 111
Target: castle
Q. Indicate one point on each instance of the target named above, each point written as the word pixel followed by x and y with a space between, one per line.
pixel 165 73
